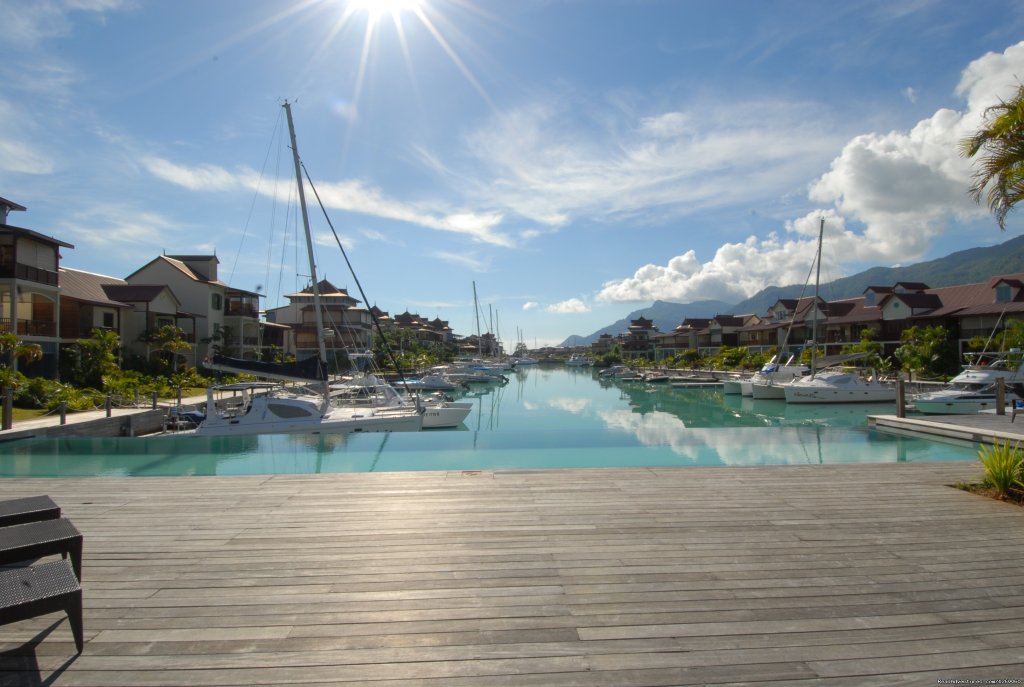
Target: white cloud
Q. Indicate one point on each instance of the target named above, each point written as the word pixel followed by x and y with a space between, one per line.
pixel 903 187
pixel 573 305
pixel 351 195
pixel 468 261
pixel 910 94
pixel 132 234
pixel 548 168
pixel 530 305
pixel 28 23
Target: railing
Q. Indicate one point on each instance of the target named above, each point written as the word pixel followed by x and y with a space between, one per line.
pixel 29 327
pixel 237 310
pixel 29 273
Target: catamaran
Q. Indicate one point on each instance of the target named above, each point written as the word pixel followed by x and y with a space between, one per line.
pixel 269 409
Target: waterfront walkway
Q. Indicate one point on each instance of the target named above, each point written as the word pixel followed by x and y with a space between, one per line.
pixel 817 575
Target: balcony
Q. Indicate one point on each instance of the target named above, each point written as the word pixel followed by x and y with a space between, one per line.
pixel 241 310
pixel 28 273
pixel 29 327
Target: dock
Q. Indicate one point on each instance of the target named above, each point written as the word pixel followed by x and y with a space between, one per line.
pixel 818 575
pixel 977 428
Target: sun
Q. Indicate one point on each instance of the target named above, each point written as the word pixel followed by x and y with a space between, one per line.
pixel 375 9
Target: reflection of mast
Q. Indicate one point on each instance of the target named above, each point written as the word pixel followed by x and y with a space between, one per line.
pixel 380 452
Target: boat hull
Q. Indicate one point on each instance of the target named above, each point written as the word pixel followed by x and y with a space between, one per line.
pixel 449 415
pixel 764 392
pixel 798 394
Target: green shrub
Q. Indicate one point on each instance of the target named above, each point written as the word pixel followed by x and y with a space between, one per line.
pixel 1002 463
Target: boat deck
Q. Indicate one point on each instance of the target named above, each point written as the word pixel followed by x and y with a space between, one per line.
pixel 817 575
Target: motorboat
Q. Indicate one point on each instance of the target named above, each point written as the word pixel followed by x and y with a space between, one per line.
pixel 579 360
pixel 371 392
pixel 768 382
pixel 431 382
pixel 974 389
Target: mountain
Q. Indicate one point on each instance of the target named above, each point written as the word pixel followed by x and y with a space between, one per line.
pixel 969 266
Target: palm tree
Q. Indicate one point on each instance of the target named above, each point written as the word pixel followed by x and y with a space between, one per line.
pixel 1001 169
pixel 10 350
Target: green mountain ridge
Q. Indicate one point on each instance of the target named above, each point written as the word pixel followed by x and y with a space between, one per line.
pixel 969 266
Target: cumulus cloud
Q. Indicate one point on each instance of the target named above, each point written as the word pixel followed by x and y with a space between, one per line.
pixel 573 305
pixel 900 189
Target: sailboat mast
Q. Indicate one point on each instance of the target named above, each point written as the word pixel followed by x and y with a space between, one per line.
pixel 476 311
pixel 817 280
pixel 309 239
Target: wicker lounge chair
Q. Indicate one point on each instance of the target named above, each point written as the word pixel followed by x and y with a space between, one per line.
pixel 40 589
pixel 33 540
pixel 29 509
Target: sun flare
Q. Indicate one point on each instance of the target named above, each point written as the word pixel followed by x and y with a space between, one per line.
pixel 376 9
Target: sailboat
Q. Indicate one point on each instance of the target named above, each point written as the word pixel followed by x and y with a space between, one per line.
pixel 262 408
pixel 828 385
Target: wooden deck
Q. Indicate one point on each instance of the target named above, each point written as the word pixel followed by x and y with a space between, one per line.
pixel 836 575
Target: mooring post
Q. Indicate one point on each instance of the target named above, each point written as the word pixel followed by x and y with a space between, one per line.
pixel 109 405
pixel 901 398
pixel 154 400
pixel 1000 396
pixel 63 412
pixel 7 421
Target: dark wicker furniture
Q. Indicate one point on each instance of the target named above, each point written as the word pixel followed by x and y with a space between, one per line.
pixel 29 509
pixel 44 538
pixel 40 589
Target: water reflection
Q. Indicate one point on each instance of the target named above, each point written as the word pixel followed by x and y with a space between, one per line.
pixel 543 418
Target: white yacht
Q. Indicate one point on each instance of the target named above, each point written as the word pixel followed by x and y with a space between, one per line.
pixel 270 408
pixel 264 408
pixel 769 380
pixel 579 360
pixel 371 392
pixel 838 386
pixel 974 389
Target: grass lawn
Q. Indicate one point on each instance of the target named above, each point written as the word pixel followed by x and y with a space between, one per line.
pixel 22 414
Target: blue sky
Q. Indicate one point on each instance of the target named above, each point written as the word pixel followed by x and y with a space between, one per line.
pixel 576 159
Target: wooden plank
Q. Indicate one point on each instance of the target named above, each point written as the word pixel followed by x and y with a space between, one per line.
pixel 851 574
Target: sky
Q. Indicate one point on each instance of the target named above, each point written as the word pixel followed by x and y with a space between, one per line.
pixel 574 160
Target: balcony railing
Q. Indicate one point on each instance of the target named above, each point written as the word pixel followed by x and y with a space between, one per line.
pixel 241 310
pixel 29 327
pixel 28 273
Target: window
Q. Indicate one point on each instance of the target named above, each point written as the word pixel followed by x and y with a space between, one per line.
pixel 108 320
pixel 216 301
pixel 1004 294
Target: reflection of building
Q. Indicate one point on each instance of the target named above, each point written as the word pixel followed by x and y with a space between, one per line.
pixel 30 290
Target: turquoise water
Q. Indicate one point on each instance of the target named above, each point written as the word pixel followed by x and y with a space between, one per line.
pixel 543 418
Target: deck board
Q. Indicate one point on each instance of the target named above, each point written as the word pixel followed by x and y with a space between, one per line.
pixel 837 575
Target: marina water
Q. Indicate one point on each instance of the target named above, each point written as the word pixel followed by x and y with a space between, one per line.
pixel 543 418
